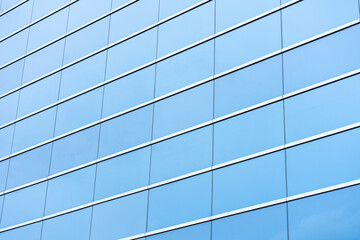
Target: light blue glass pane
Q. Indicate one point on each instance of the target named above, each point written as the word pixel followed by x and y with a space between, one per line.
pixel 232 12
pixel 181 155
pixel 75 150
pixel 129 91
pixel 180 202
pixel 323 59
pixel 197 232
pixel 86 40
pixel 70 190
pixel 185 68
pixel 248 86
pixel 10 76
pixel 29 232
pixel 249 183
pixel 6 137
pixel 23 205
pixel 323 109
pixel 13 47
pixel 131 53
pixel 34 130
pixel 79 111
pixel 43 61
pixel 4 166
pixel 126 215
pixel 123 173
pixel 170 7
pixel 44 7
pixel 48 29
pixel 126 131
pixel 266 223
pixel 247 43
pixel 29 166
pixel 8 107
pixel 321 16
pixel 186 29
pixel 184 110
pixel 248 133
pixel 328 216
pixel 83 75
pixel 323 163
pixel 75 225
pixel 147 9
pixel 8 4
pixel 39 95
pixel 85 11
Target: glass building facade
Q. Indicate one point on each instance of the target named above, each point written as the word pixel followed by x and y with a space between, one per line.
pixel 179 119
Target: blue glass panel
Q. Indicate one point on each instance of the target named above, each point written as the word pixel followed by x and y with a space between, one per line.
pixel 323 109
pixel 248 42
pixel 4 166
pixel 184 110
pixel 249 86
pixel 75 150
pixel 29 166
pixel 8 4
pixel 34 129
pixel 196 232
pixel 321 16
pixel 79 111
pixel 39 95
pixel 123 173
pixel 13 72
pixel 170 7
pixel 126 131
pixel 83 75
pixel 75 225
pixel 232 12
pixel 332 216
pixel 251 132
pixel 185 68
pixel 189 152
pixel 186 29
pixel 29 232
pixel 13 47
pixel 314 62
pixel 323 163
pixel 6 137
pixel 266 223
pixel 147 9
pixel 127 216
pixel 180 202
pixel 8 107
pixel 86 40
pixel 129 91
pixel 252 182
pixel 23 205
pixel 122 57
pixel 43 61
pixel 43 7
pixel 70 190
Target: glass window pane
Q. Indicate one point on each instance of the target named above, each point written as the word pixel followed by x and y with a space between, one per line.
pixel 75 225
pixel 189 152
pixel 127 216
pixel 126 131
pixel 266 223
pixel 123 173
pixel 183 110
pixel 70 190
pixel 8 107
pixel 43 7
pixel 13 47
pixel 248 86
pixel 170 7
pixel 29 232
pixel 75 150
pixel 196 232
pixel 10 76
pixel 332 215
pixel 185 68
pixel 180 202
pixel 4 165
pixel 6 137
pixel 186 29
pixel 23 205
pixel 29 166
pixel 248 133
pixel 249 183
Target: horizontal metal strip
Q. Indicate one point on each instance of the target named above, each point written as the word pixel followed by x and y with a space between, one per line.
pixel 142 31
pixel 12 8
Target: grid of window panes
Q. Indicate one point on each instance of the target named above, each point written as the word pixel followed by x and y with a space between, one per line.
pixel 197 119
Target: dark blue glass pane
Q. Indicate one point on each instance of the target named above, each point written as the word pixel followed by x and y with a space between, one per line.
pixel 196 232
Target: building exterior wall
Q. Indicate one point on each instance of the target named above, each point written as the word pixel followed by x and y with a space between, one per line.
pixel 179 119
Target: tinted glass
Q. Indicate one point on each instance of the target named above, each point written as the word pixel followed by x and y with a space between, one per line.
pixel 29 232
pixel 43 7
pixel 13 72
pixel 4 165
pixel 13 47
pixel 8 107
pixel 196 232
pixel 6 136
